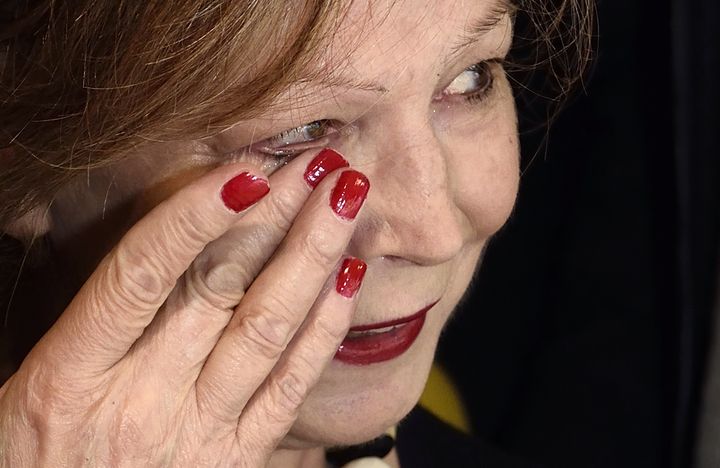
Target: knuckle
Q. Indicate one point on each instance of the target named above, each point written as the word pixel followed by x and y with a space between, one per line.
pixel 329 331
pixel 137 431
pixel 143 267
pixel 284 207
pixel 322 246
pixel 211 402
pixel 266 330
pixel 136 279
pixel 291 389
pixel 46 402
pixel 190 228
pixel 220 285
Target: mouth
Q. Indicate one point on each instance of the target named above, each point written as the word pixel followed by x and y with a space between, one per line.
pixel 378 342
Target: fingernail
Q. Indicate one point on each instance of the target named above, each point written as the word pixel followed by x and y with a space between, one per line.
pixel 243 190
pixel 323 164
pixel 349 194
pixel 350 277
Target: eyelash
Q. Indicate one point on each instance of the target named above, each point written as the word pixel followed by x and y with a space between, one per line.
pixel 484 69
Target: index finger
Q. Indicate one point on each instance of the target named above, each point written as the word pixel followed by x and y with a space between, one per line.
pixel 131 283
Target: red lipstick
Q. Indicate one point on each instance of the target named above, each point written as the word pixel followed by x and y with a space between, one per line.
pixel 377 342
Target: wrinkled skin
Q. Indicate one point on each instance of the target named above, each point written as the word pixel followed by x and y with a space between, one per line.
pixel 204 337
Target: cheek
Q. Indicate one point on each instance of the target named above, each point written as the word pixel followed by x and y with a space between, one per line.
pixel 485 168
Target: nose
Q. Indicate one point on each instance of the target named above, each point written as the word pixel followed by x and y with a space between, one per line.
pixel 411 211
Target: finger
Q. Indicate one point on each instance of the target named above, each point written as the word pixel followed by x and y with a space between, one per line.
pixel 275 406
pixel 222 273
pixel 131 283
pixel 198 309
pixel 281 296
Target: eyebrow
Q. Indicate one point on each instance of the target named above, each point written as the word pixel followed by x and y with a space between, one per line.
pixel 482 26
pixel 473 33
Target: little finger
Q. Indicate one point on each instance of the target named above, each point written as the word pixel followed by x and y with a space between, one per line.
pixel 279 300
pixel 273 409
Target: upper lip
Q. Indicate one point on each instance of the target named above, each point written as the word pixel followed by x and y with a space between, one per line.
pixel 390 323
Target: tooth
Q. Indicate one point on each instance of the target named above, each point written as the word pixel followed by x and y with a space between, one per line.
pixel 376 331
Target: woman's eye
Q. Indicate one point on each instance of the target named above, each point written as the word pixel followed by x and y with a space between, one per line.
pixel 296 140
pixel 474 83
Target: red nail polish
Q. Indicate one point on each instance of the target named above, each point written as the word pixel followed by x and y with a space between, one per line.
pixel 349 194
pixel 350 277
pixel 243 190
pixel 323 164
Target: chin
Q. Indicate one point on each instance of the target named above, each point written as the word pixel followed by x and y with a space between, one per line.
pixel 354 404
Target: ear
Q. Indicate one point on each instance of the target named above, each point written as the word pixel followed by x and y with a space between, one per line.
pixel 29 225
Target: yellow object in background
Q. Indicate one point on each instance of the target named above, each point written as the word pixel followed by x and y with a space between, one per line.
pixel 442 399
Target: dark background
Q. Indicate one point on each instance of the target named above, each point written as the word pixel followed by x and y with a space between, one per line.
pixel 584 340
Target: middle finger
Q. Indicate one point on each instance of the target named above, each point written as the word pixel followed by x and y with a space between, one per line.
pixel 279 299
pixel 200 306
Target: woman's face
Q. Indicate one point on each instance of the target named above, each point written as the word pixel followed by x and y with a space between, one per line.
pixel 419 103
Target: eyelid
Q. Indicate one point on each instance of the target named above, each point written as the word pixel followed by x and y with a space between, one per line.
pixel 488 64
pixel 289 149
pixel 284 137
pixel 269 146
pixel 285 152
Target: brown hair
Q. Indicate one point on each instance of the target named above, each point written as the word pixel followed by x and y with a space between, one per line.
pixel 552 48
pixel 83 82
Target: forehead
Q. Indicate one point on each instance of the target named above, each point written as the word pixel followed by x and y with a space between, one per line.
pixel 388 48
pixel 375 39
pixel 397 21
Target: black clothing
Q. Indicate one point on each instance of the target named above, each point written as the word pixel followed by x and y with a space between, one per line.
pixel 424 441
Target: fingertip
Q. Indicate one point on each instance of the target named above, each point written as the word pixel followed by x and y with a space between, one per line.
pixel 350 277
pixel 243 190
pixel 349 194
pixel 327 161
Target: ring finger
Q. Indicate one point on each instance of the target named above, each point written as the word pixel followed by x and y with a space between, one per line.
pixel 278 301
pixel 194 315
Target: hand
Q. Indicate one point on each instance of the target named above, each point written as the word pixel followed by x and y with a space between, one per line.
pixel 195 340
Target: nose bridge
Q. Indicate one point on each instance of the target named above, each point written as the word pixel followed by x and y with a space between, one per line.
pixel 413 194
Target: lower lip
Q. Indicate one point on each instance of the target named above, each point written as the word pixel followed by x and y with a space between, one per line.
pixel 370 349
